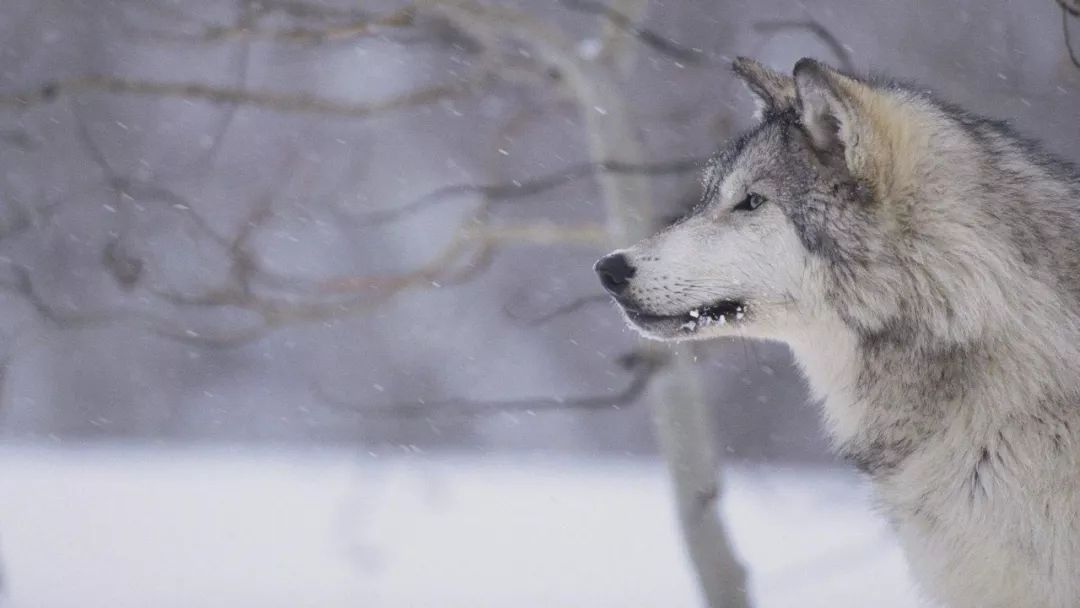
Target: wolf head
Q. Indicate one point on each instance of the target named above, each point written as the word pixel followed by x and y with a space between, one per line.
pixel 846 201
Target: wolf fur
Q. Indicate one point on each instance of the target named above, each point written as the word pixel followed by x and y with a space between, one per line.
pixel 923 264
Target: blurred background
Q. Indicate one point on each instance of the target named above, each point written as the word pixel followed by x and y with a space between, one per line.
pixel 297 307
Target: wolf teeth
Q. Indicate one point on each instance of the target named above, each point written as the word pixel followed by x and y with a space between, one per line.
pixel 699 318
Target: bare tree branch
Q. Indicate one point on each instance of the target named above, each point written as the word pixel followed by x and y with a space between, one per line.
pixel 353 27
pixel 468 253
pixel 520 189
pixel 1070 6
pixel 642 367
pixel 281 102
pixel 21 284
pixel 477 239
pixel 29 216
pixel 614 40
pixel 242 60
pixel 172 11
pixel 298 8
pixel 841 52
pixel 565 309
pixel 663 45
pixel 17 138
pixel 1067 11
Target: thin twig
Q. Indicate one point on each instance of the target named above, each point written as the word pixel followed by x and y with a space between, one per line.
pixel 17 138
pixel 560 311
pixel 520 189
pixel 477 240
pixel 354 28
pixel 307 10
pixel 1073 10
pixel 242 59
pixel 653 40
pixel 841 52
pixel 642 366
pixel 282 102
pixel 1066 11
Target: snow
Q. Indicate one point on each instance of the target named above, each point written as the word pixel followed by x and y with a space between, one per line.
pixel 164 527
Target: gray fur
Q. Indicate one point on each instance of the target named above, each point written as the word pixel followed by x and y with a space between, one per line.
pixel 924 266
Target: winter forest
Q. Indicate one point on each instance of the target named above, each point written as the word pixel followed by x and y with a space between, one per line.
pixel 297 305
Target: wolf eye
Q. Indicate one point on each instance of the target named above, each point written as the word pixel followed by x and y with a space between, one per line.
pixel 751 202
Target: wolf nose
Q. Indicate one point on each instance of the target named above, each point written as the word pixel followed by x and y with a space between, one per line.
pixel 615 272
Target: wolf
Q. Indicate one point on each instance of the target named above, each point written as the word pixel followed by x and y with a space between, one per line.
pixel 923 265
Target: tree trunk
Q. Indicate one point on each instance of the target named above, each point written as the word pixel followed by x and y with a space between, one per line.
pixel 683 421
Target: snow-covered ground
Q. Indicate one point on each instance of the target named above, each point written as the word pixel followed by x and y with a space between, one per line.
pixel 237 528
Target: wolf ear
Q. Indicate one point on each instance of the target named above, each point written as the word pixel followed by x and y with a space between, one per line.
pixel 826 107
pixel 773 91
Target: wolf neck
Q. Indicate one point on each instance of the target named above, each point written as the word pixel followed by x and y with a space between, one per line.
pixel 884 401
pixel 880 404
pixel 828 355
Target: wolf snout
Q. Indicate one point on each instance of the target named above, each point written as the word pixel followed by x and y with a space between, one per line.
pixel 615 272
